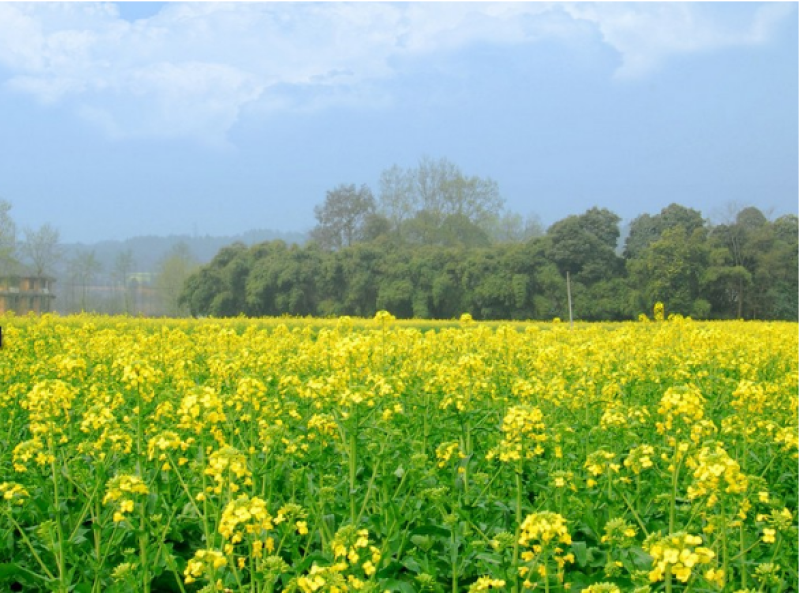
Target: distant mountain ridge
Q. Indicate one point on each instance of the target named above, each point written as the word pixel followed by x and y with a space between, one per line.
pixel 149 250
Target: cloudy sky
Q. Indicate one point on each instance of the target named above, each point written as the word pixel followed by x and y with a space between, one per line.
pixel 123 119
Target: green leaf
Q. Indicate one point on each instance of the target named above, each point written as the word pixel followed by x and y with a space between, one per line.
pixel 581 553
pixel 395 585
pixel 431 530
pixel 390 570
pixel 488 558
pixel 306 564
pixel 412 565
pixel 641 559
pixel 9 571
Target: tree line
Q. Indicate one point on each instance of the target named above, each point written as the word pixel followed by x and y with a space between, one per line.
pixel 437 243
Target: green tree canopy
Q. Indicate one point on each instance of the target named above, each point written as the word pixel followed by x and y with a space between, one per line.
pixel 341 219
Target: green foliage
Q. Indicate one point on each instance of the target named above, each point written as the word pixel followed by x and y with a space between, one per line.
pixel 173 271
pixel 342 219
pixel 8 235
pixel 429 267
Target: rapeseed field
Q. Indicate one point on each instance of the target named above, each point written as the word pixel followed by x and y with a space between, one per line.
pixel 376 455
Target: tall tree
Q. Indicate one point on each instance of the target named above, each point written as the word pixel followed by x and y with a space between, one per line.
pixel 585 245
pixel 8 240
pixel 41 248
pixel 646 229
pixel 341 219
pixel 672 270
pixel 83 267
pixel 511 227
pixel 398 200
pixel 418 201
pixel 124 264
pixel 173 271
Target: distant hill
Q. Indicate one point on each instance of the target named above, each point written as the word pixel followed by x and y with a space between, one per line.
pixel 149 250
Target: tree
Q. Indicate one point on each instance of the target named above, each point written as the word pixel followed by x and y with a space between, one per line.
pixel 341 219
pixel 8 240
pixel 645 229
pixel 771 255
pixel 398 201
pixel 585 245
pixel 672 270
pixel 418 201
pixel 123 267
pixel 83 267
pixel 42 249
pixel 755 272
pixel 510 227
pixel 173 271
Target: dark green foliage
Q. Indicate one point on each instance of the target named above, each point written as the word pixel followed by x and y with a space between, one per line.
pixel 432 268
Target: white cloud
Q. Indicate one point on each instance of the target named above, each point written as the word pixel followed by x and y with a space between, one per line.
pixel 647 34
pixel 192 69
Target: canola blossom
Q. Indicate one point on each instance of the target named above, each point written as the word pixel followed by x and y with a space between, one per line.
pixel 310 455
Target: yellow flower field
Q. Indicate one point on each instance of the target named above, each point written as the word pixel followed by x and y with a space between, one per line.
pixel 376 455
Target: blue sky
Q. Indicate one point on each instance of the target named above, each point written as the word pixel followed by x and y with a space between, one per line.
pixel 124 119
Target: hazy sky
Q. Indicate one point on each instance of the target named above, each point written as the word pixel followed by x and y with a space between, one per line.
pixel 155 118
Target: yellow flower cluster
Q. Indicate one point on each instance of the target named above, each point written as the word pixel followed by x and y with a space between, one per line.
pixel 120 491
pixel 681 407
pixel 245 516
pixel 778 521
pixel 384 318
pixel 204 563
pixel 323 578
pixel 13 493
pixel 658 311
pixel 486 584
pixel 618 415
pixel 618 533
pixel 446 451
pixel 715 472
pixel 139 376
pixel 349 543
pixel 640 458
pixel 165 441
pixel 544 528
pixel 224 465
pixel 48 404
pixel 599 462
pixel 677 554
pixel 201 409
pixel 523 434
pixel 351 550
pixel 31 449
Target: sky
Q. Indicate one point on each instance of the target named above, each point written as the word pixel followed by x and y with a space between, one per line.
pixel 147 118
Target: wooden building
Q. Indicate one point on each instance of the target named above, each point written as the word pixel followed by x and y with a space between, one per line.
pixel 26 294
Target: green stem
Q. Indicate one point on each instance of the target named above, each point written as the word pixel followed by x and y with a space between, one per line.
pixel 143 550
pixel 200 514
pixel 634 513
pixel 353 468
pixel 725 559
pixel 59 531
pixel 515 560
pixel 742 563
pixel 454 559
pixel 30 547
pixel 675 473
pixel 368 492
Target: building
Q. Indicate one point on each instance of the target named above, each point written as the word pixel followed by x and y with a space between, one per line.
pixel 26 294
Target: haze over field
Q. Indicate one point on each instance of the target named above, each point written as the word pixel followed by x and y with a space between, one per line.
pixel 125 119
